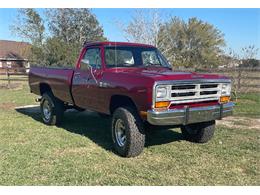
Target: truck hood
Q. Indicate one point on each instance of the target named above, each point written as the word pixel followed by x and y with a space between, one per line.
pixel 162 74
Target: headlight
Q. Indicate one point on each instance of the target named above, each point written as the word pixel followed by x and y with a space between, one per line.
pixel 161 92
pixel 226 89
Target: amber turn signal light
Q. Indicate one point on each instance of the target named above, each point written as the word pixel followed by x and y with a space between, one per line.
pixel 164 104
pixel 224 99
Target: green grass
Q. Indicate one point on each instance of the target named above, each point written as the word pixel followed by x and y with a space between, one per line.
pixel 79 152
pixel 248 105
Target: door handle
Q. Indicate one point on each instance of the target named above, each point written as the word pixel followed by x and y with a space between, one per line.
pixel 104 85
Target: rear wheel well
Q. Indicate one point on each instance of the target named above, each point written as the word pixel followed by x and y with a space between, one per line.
pixel 44 88
pixel 121 101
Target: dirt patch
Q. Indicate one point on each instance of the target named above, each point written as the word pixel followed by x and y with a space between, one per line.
pixel 240 122
pixel 7 106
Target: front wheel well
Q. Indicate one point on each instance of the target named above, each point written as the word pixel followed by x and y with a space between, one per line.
pixel 117 101
pixel 44 88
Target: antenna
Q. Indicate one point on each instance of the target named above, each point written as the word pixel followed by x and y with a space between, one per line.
pixel 115 57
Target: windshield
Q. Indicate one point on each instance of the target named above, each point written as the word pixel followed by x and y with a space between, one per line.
pixel 125 56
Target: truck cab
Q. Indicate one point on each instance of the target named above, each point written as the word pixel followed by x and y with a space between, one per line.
pixel 136 86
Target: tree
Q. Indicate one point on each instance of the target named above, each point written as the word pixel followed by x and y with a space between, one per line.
pixel 71 28
pixel 55 52
pixel 29 26
pixel 68 29
pixel 191 44
pixel 248 56
pixel 143 28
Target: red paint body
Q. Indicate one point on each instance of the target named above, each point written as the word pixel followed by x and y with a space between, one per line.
pixel 83 91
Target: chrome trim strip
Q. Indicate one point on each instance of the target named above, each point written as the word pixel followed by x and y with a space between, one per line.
pixel 194 100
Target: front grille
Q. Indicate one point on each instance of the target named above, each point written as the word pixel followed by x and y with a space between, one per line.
pixel 181 93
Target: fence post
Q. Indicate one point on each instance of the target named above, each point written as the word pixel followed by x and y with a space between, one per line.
pixel 239 79
pixel 8 78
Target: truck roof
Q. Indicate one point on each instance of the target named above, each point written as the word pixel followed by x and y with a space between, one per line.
pixel 113 43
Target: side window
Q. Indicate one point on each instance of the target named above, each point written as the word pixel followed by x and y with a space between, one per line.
pixel 91 58
pixel 150 58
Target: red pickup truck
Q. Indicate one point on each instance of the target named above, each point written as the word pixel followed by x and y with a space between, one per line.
pixel 134 84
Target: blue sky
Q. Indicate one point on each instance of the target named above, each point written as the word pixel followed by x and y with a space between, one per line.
pixel 241 27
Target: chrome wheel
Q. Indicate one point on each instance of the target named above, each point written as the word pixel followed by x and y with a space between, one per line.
pixel 46 108
pixel 120 133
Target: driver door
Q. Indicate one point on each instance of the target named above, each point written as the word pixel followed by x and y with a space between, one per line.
pixel 86 78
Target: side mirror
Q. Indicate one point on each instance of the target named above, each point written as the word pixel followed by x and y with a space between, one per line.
pixel 85 61
pixel 90 68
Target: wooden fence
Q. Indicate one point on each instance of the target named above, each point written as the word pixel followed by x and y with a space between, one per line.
pixel 13 74
pixel 243 79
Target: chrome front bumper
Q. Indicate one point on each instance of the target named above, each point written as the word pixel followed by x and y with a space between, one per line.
pixel 189 115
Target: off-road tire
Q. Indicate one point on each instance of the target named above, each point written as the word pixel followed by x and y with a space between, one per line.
pixel 199 132
pixel 56 111
pixel 134 131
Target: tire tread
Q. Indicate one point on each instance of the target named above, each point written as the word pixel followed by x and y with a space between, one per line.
pixel 136 134
pixel 57 106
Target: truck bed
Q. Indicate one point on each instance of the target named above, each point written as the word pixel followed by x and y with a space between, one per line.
pixel 58 79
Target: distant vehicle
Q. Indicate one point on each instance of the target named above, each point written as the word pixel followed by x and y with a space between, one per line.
pixel 135 85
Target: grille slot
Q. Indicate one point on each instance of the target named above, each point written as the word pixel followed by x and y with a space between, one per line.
pixel 204 86
pixel 183 94
pixel 174 87
pixel 208 92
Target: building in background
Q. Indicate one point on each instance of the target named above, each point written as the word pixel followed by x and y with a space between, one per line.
pixel 14 55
